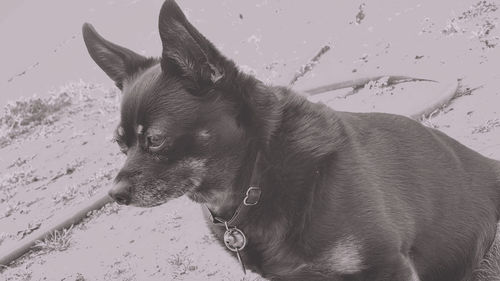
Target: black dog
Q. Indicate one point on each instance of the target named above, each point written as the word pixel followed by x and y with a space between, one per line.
pixel 297 190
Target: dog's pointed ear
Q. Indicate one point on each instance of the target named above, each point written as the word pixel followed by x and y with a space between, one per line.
pixel 186 52
pixel 118 62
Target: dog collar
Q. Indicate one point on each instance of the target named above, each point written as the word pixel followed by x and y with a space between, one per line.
pixel 234 238
pixel 251 198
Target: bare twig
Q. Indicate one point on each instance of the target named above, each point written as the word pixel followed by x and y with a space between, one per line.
pixel 360 82
pixel 310 65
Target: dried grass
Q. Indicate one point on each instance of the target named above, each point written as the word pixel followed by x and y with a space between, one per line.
pixel 57 241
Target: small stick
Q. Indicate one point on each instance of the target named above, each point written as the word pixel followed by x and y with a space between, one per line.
pixel 78 214
pixel 447 96
pixel 310 65
pixel 360 82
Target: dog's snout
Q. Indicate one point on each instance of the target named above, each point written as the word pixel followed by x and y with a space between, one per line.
pixel 121 192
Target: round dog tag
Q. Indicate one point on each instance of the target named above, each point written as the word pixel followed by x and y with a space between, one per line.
pixel 235 239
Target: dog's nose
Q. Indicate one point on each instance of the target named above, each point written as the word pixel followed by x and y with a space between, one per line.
pixel 121 192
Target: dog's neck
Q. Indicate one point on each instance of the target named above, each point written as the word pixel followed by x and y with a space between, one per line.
pixel 289 163
pixel 225 204
pixel 266 118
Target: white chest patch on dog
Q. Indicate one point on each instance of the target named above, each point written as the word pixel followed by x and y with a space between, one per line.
pixel 414 275
pixel 345 256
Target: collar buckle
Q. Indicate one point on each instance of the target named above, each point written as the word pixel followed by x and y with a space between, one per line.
pixel 252 196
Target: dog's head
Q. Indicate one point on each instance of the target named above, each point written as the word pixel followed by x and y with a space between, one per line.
pixel 188 119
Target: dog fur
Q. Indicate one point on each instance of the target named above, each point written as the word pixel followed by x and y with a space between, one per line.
pixel 345 196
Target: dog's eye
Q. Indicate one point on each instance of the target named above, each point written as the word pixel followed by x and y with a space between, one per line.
pixel 155 142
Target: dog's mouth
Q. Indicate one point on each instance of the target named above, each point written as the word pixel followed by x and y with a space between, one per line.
pixel 142 204
pixel 148 190
pixel 159 193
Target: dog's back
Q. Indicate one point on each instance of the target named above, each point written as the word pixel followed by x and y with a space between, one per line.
pixel 409 187
pixel 383 191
